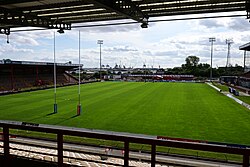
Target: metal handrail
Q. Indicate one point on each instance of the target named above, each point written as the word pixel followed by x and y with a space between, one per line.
pixel 126 138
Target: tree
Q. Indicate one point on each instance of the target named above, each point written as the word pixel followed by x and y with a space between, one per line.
pixel 202 70
pixel 192 61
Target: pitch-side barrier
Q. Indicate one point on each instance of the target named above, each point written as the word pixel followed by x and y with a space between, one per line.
pixel 125 138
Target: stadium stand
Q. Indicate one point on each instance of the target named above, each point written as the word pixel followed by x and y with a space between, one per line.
pixel 17 75
pixel 71 158
pixel 160 77
pixel 75 154
pixel 140 11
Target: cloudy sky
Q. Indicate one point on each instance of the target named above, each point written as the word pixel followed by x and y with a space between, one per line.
pixel 164 44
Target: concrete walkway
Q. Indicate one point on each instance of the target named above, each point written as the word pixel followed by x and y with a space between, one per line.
pixel 231 96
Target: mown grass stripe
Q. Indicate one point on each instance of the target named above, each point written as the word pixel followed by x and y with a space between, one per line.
pixel 186 110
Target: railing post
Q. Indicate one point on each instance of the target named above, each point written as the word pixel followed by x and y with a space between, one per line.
pixel 153 154
pixel 6 146
pixel 126 153
pixel 246 160
pixel 60 149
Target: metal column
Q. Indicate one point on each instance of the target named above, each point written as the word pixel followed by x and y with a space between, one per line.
pixel 60 149
pixel 126 153
pixel 153 154
pixel 244 66
pixel 6 146
pixel 246 160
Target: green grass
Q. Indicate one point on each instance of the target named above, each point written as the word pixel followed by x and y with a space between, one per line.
pixel 186 110
pixel 245 99
pixel 220 86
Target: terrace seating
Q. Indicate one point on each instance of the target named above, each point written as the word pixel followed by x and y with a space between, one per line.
pixel 42 154
pixel 21 81
pixel 5 83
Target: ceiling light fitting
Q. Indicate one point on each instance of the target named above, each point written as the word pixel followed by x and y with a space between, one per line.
pixel 61 31
pixel 144 23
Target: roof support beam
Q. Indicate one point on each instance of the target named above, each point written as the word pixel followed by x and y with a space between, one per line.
pixel 4 2
pixel 60 14
pixel 59 7
pixel 248 8
pixel 195 10
pixel 124 7
pixel 19 19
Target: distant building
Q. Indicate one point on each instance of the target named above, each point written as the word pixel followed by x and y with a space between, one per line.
pixel 229 79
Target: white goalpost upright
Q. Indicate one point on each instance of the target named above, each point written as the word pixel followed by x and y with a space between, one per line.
pixel 55 103
pixel 79 107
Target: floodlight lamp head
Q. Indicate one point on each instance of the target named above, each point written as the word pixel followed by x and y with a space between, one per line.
pixel 60 31
pixel 100 42
pixel 213 39
pixel 229 41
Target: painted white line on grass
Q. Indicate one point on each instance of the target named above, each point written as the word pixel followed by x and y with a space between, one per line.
pixel 239 101
pixel 235 99
pixel 230 96
pixel 213 86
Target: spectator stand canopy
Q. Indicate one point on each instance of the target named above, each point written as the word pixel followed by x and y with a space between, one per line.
pixel 246 48
pixel 61 14
pixel 244 80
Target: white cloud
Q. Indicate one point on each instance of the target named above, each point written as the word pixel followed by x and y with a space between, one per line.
pixel 120 49
pixel 211 23
pixel 236 24
pixel 9 48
